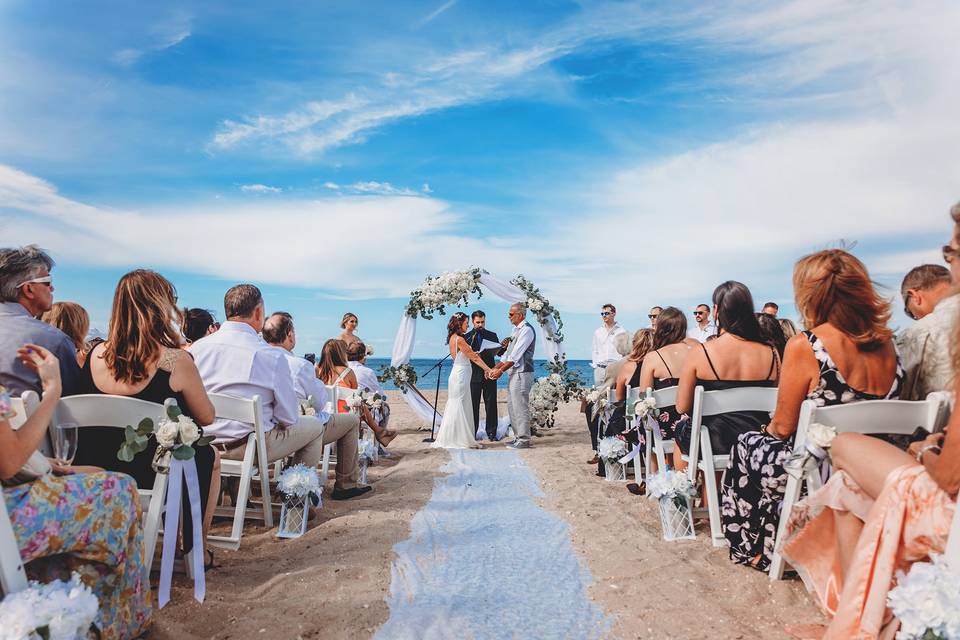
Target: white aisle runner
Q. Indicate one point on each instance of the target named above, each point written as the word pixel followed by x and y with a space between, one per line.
pixel 485 562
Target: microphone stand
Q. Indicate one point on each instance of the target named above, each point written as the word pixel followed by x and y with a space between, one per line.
pixel 436 398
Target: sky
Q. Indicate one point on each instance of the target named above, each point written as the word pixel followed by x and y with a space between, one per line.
pixel 336 153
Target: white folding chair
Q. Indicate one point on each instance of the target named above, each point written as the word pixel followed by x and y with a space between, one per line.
pixel 12 576
pixel 656 445
pixel 98 410
pixel 701 458
pixel 867 417
pixel 952 552
pixel 333 394
pixel 254 464
pixel 631 396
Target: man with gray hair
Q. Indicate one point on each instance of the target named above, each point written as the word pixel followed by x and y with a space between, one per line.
pixel 929 297
pixel 518 359
pixel 26 292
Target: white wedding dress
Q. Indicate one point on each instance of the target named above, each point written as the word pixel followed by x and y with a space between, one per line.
pixel 457 430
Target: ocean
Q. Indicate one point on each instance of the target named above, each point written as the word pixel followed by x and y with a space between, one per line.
pixel 423 365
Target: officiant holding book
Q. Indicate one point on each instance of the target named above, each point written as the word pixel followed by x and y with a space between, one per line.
pixel 485 343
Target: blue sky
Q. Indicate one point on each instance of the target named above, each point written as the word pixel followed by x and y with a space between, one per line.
pixel 336 153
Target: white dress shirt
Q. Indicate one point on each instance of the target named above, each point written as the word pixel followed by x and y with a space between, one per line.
pixel 927 344
pixel 522 339
pixel 235 361
pixel 306 383
pixel 605 345
pixel 366 378
pixel 701 334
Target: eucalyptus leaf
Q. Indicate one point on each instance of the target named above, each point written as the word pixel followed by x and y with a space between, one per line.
pixel 145 427
pixel 125 453
pixel 204 441
pixel 174 412
pixel 184 452
pixel 129 433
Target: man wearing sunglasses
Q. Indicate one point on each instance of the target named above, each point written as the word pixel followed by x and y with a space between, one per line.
pixel 26 292
pixel 604 352
pixel 701 329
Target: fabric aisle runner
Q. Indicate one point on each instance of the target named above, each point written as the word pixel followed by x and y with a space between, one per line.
pixel 484 561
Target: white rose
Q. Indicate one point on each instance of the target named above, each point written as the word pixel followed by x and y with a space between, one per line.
pixel 821 435
pixel 166 433
pixel 555 377
pixel 189 431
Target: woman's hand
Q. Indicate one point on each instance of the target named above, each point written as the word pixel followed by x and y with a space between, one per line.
pixel 932 439
pixel 44 363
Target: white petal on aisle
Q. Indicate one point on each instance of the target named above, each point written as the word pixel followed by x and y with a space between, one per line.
pixel 484 561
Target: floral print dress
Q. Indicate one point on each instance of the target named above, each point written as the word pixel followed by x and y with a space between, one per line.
pixel 754 483
pixel 88 523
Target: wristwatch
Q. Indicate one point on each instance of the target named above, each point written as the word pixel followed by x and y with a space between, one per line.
pixel 924 449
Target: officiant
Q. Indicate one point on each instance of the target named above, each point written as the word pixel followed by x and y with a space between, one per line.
pixel 479 384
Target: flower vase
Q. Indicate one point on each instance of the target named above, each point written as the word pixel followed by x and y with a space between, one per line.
pixel 293 517
pixel 614 471
pixel 676 518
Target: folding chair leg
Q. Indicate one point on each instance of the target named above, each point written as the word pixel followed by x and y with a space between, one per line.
pixel 327 451
pixel 713 496
pixel 790 496
pixel 151 528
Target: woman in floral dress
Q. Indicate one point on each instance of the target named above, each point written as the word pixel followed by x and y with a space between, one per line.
pixel 89 520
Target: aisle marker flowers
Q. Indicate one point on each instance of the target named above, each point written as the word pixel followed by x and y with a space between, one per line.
pixel 300 481
pixel 927 601
pixel 816 449
pixel 177 435
pixel 54 611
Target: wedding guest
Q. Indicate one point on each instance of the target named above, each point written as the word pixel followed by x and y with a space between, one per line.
pixel 653 315
pixel 236 361
pixel 367 379
pixel 74 321
pixel 603 351
pixel 611 373
pixel 770 308
pixel 772 332
pixel 661 372
pixel 26 293
pixel 142 359
pixel 847 356
pixel 349 325
pixel 789 329
pixel 702 327
pixel 930 298
pixel 334 370
pixel 74 519
pixel 627 373
pixel 737 357
pixel 480 386
pixel 198 323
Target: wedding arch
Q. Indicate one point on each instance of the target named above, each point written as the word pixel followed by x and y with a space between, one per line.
pixel 455 288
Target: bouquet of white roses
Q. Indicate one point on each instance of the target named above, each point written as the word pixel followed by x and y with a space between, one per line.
pixel 176 434
pixel 612 449
pixel 816 449
pixel 54 611
pixel 403 376
pixel 927 601
pixel 644 407
pixel 436 292
pixel 300 481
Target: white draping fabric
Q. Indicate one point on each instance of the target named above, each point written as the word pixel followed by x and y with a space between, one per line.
pixel 407 333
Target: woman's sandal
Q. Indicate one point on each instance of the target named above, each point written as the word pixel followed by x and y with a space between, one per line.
pixel 211 564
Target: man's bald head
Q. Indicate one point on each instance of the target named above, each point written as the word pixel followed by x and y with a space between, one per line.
pixel 278 330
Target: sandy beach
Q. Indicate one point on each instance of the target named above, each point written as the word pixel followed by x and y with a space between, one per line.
pixel 332 582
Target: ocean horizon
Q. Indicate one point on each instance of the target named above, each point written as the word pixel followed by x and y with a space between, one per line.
pixel 423 365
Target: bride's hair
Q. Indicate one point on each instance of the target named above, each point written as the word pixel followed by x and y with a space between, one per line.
pixel 453 327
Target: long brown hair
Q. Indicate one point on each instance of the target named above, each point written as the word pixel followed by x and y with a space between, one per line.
pixel 671 327
pixel 455 325
pixel 333 355
pixel 72 319
pixel 143 321
pixel 642 345
pixel 834 286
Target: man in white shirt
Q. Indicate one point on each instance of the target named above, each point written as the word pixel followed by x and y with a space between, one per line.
pixel 604 352
pixel 518 360
pixel 236 361
pixel 367 379
pixel 702 327
pixel 930 298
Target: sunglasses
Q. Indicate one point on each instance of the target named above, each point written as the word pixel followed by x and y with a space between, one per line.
pixel 906 306
pixel 949 253
pixel 604 314
pixel 47 280
pixel 699 313
pixel 653 315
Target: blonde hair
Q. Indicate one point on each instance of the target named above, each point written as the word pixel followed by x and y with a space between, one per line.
pixel 72 319
pixel 347 316
pixel 833 286
pixel 642 345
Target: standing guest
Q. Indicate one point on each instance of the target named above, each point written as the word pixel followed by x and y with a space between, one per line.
pixel 142 359
pixel 367 379
pixel 737 357
pixel 198 323
pixel 770 308
pixel 26 293
pixel 789 329
pixel 480 385
pixel 74 519
pixel 653 315
pixel 349 325
pixel 661 372
pixel 74 321
pixel 604 350
pixel 930 298
pixel 236 361
pixel 702 327
pixel 518 360
pixel 335 371
pixel 772 332
pixel 847 356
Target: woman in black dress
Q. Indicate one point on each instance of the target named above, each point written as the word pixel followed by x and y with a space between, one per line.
pixel 142 359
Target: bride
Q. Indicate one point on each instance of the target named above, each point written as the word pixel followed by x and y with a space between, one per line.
pixel 457 431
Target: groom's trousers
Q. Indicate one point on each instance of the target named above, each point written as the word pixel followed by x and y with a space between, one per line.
pixel 518 403
pixel 488 389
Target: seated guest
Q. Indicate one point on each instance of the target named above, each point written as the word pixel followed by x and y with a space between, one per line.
pixel 74 321
pixel 772 332
pixel 622 345
pixel 367 379
pixel 72 519
pixel 737 357
pixel 847 356
pixel 628 373
pixel 660 372
pixel 236 361
pixel 349 325
pixel 789 329
pixel 26 293
pixel 333 370
pixel 142 359
pixel 930 298
pixel 198 323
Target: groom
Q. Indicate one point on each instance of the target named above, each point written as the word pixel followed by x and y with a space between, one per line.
pixel 519 361
pixel 479 384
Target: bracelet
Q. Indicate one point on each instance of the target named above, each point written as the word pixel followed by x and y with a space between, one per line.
pixel 765 430
pixel 923 450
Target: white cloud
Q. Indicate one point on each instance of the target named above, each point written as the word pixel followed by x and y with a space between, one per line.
pixel 259 188
pixel 165 35
pixel 433 15
pixel 331 185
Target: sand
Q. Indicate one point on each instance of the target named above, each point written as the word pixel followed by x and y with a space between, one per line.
pixel 332 582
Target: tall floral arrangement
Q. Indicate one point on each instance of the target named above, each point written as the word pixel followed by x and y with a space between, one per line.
pixel 540 306
pixel 561 384
pixel 438 292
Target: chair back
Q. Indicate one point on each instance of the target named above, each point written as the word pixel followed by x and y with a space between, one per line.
pixel 246 410
pixel 631 397
pixel 25 405
pixel 101 410
pixel 952 552
pixel 12 576
pixel 664 397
